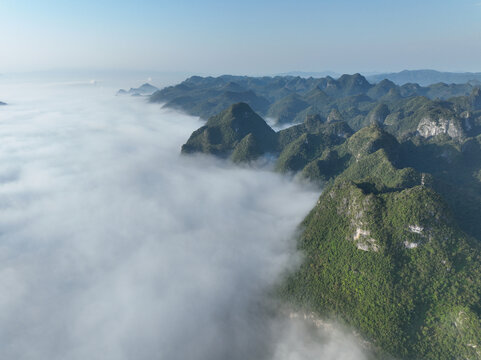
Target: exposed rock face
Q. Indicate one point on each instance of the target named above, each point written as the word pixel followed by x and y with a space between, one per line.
pixel 364 241
pixel 467 121
pixel 429 127
pixel 410 245
pixel 416 229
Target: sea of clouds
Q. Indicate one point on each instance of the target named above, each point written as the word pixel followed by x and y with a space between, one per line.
pixel 113 246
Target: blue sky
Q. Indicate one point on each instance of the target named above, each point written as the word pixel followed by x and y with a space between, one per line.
pixel 241 37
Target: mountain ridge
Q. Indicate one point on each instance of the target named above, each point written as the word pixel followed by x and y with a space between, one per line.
pixel 288 99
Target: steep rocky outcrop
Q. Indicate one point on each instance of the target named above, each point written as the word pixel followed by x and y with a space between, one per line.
pixel 429 127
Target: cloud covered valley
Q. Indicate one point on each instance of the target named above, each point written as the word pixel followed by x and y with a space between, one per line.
pixel 113 246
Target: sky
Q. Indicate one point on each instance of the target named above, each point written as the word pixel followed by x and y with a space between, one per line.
pixel 240 37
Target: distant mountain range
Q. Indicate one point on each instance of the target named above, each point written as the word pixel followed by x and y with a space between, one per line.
pixel 421 77
pixel 314 74
pixel 2 103
pixel 427 77
pixel 143 90
pixel 289 99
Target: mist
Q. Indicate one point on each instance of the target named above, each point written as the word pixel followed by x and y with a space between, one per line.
pixel 113 246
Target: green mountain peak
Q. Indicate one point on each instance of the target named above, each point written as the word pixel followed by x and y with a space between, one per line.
pixel 223 132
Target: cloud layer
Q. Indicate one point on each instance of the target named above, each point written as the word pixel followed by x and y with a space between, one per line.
pixel 113 246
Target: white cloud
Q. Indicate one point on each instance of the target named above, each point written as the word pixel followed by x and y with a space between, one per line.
pixel 113 246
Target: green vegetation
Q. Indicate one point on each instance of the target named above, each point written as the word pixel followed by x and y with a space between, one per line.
pixel 303 143
pixel 378 114
pixel 393 246
pixel 395 266
pixel 381 89
pixel 237 131
pixel 286 109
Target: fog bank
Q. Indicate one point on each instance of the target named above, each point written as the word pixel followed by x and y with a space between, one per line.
pixel 113 246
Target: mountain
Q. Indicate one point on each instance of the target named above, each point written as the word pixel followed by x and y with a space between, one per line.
pixel 237 132
pixel 353 84
pixel 286 109
pixel 206 97
pixel 301 151
pixel 370 155
pixel 2 103
pixel 385 252
pixel 427 77
pixel 394 265
pixel 381 89
pixel 145 89
pixel 305 142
